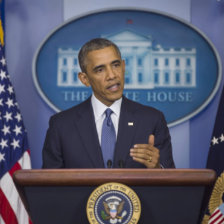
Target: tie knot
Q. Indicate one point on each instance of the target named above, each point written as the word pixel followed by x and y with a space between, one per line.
pixel 108 112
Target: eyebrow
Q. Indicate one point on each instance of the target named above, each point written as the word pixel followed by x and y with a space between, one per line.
pixel 97 67
pixel 116 61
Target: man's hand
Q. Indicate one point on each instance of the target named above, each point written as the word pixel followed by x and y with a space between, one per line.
pixel 146 154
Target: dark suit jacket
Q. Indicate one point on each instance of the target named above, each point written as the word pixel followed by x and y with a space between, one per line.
pixel 72 141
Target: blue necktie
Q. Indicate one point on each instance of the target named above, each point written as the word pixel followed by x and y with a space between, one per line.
pixel 108 138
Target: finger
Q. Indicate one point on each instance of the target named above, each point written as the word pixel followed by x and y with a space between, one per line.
pixel 145 162
pixel 142 151
pixel 142 146
pixel 151 140
pixel 144 156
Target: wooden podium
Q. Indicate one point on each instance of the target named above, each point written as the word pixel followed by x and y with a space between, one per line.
pixel 166 195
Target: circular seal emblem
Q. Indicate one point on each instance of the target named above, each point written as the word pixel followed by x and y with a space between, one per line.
pixel 113 203
pixel 216 198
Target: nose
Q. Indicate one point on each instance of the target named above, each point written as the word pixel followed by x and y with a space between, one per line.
pixel 110 73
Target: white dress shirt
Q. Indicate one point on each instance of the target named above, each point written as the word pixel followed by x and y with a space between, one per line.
pixel 99 115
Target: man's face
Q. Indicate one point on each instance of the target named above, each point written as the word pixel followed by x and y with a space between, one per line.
pixel 105 74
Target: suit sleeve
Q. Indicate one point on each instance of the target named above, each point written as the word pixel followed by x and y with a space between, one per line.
pixel 52 153
pixel 163 143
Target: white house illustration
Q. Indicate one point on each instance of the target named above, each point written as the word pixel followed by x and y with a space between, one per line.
pixel 147 66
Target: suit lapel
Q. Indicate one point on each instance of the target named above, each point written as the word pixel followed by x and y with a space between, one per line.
pixel 88 134
pixel 126 130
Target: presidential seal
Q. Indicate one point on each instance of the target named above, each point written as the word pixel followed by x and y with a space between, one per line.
pixel 216 199
pixel 113 203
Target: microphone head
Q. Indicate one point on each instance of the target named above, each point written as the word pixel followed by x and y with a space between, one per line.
pixel 121 163
pixel 109 163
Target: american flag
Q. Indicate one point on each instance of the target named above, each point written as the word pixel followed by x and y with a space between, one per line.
pixel 216 152
pixel 14 150
pixel 217 216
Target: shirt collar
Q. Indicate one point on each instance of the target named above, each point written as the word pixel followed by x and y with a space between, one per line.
pixel 99 108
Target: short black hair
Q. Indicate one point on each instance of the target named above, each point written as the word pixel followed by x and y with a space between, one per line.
pixel 94 44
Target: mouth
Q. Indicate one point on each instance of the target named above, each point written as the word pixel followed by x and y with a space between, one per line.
pixel 113 88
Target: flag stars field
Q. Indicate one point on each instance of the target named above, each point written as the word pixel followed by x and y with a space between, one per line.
pixel 221 138
pixel 3 61
pixel 2 88
pixel 3 143
pixel 10 103
pixel 10 89
pixel 2 74
pixel 17 130
pixel 15 144
pixel 2 157
pixel 216 141
pixel 8 116
pixel 6 130
pixel 18 117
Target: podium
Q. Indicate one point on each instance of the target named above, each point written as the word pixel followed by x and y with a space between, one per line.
pixel 56 196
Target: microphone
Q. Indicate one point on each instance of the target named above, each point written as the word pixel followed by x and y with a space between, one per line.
pixel 121 163
pixel 109 163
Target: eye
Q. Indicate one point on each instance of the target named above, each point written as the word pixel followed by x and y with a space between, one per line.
pixel 117 64
pixel 99 70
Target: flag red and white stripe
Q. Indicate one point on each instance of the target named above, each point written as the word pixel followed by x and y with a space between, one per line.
pixel 217 216
pixel 11 206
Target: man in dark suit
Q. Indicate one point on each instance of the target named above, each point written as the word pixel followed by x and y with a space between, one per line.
pixel 75 137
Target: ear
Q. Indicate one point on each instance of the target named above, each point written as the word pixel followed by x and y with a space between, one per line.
pixel 84 78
